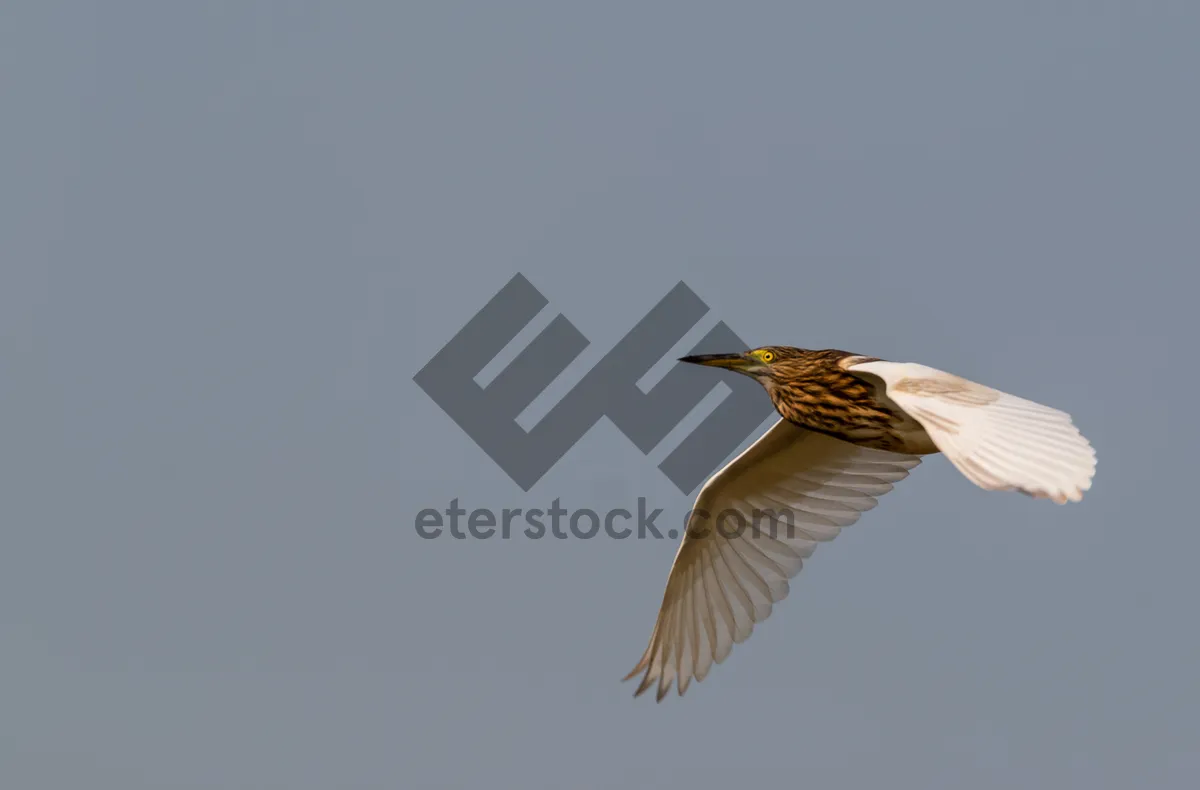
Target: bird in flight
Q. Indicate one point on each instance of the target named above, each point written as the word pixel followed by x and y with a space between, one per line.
pixel 851 427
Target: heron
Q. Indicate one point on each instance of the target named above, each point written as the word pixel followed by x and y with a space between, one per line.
pixel 850 427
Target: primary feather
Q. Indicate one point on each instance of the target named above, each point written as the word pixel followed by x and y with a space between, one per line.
pixel 999 441
pixel 754 524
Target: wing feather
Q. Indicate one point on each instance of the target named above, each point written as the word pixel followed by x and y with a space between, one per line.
pixel 998 441
pixel 753 526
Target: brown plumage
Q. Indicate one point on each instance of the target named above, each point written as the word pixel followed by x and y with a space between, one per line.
pixel 813 390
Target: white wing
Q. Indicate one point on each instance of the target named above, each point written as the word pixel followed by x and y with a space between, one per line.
pixel 999 441
pixel 738 552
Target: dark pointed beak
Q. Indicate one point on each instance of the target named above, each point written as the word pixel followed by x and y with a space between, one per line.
pixel 728 361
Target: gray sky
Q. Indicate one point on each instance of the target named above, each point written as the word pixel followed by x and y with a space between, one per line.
pixel 233 232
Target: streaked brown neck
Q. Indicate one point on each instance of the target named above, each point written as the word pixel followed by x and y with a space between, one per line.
pixel 810 389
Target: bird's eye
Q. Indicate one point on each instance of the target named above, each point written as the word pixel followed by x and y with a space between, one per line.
pixel 767 356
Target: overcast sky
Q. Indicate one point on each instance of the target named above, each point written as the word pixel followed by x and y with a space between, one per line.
pixel 234 232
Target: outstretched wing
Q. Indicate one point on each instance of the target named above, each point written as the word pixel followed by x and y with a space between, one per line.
pixel 999 441
pixel 753 525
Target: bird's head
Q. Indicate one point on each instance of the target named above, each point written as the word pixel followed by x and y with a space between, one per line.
pixel 769 364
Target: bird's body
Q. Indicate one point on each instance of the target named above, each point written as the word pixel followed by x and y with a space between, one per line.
pixel 851 427
pixel 823 396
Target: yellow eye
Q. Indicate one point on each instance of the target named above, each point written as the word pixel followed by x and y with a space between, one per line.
pixel 767 356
